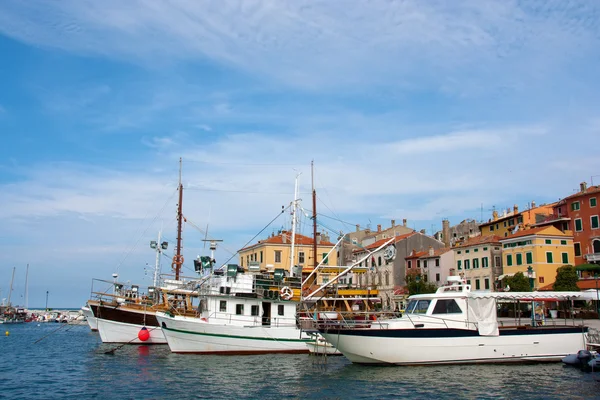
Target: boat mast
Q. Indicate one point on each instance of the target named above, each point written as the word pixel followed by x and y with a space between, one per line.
pixel 157 263
pixel 26 289
pixel 11 285
pixel 314 214
pixel 294 209
pixel 178 258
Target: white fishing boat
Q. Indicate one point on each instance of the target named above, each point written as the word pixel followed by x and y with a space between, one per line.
pixel 241 313
pixel 456 326
pixel 89 317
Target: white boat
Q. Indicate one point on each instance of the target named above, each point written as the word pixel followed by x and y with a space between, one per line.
pixel 319 346
pixel 456 326
pixel 89 317
pixel 241 313
pixel 120 332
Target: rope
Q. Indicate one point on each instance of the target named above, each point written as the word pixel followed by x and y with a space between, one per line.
pixel 56 330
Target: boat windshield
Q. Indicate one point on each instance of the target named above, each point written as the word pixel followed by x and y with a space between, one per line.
pixel 417 306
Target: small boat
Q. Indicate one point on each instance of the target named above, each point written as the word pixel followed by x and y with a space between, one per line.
pixel 89 316
pixel 320 346
pixel 456 326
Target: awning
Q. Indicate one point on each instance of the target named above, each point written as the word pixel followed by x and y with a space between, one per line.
pixel 535 296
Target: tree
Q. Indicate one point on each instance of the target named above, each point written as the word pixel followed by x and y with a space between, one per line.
pixel 517 283
pixel 417 285
pixel 566 279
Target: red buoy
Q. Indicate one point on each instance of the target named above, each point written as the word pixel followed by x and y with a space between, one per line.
pixel 144 334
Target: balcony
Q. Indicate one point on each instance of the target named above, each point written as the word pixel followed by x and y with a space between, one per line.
pixel 592 257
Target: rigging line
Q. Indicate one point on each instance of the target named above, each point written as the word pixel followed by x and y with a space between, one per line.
pixel 239 163
pixel 145 230
pixel 240 191
pixel 187 220
pixel 262 230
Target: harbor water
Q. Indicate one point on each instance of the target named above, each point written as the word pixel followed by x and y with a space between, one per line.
pixel 70 362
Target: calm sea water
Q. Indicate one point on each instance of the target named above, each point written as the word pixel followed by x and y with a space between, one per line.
pixel 71 363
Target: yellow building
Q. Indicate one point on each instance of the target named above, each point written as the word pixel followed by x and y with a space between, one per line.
pixel 274 253
pixel 503 224
pixel 545 249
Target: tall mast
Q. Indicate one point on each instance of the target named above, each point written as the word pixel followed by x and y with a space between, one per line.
pixel 157 263
pixel 26 289
pixel 178 258
pixel 314 214
pixel 294 209
pixel 11 285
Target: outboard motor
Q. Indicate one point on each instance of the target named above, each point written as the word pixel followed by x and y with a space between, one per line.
pixel 579 360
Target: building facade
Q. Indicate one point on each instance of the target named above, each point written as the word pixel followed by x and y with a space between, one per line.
pixel 544 249
pixel 437 265
pixel 479 261
pixel 509 221
pixel 452 235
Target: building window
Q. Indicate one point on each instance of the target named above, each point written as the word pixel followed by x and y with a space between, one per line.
pixel 541 279
pixel 594 221
pixel 565 258
pixel 467 264
pixel 529 258
pixel 437 277
pixel 459 252
pixel 549 257
pixel 387 278
pixel 261 256
pixel 519 259
pixel 467 251
pixel 563 242
pixel 239 309
pixel 484 262
pixel 575 206
pixel 485 249
pixel 511 222
pixel 280 309
pixel 475 263
pixel 300 257
pixel 409 264
pixel 476 250
pixel 548 241
pixel 223 306
pixel 325 260
pixel 254 311
pixel 491 228
pixel 379 261
pixel 476 284
pixel 418 263
pixel 277 256
pixel 458 264
pixel 424 263
pixel 498 261
pixel 486 283
pixel 468 281
pixel 520 219
pixel 593 202
pixel 437 262
pixel 577 247
pixel 578 226
pixel 509 260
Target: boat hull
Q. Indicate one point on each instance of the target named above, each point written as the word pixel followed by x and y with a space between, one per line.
pixel 192 335
pixel 91 320
pixel 121 332
pixel 455 346
pixel 322 349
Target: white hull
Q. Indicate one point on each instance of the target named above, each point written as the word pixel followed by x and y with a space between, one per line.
pixel 192 335
pixel 119 332
pixel 322 349
pixel 456 350
pixel 89 316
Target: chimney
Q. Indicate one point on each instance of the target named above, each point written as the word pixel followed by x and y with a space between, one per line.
pixel 532 203
pixel 583 187
pixel 379 228
pixel 423 231
pixel 446 232
pixel 430 251
pixel 516 209
pixel 404 222
pixel 318 237
pixel 393 223
pixel 494 215
pixel 283 237
pixel 357 228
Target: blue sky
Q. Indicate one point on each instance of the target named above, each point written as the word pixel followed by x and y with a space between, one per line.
pixel 410 109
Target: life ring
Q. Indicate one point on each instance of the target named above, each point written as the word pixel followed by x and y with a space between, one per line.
pixel 286 293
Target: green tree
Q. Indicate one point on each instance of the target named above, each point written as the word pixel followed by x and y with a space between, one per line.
pixel 517 283
pixel 566 279
pixel 417 285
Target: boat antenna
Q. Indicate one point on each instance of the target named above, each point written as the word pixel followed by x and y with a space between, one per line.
pixel 11 285
pixel 26 290
pixel 314 213
pixel 294 211
pixel 178 258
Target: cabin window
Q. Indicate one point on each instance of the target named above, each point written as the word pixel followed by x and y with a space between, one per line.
pixel 254 311
pixel 223 306
pixel 417 306
pixel 446 306
pixel 280 309
pixel 239 309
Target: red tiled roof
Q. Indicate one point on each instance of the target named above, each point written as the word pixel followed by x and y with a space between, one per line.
pixel 417 254
pixel 535 231
pixel 477 240
pixel 437 252
pixel 382 241
pixel 590 190
pixel 299 240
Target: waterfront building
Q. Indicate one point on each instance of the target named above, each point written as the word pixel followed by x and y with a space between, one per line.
pixel 479 261
pixel 452 235
pixel 512 220
pixel 543 248
pixel 580 213
pixel 437 265
pixel 274 253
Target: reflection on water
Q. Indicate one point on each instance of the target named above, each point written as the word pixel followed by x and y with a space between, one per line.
pixel 72 363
